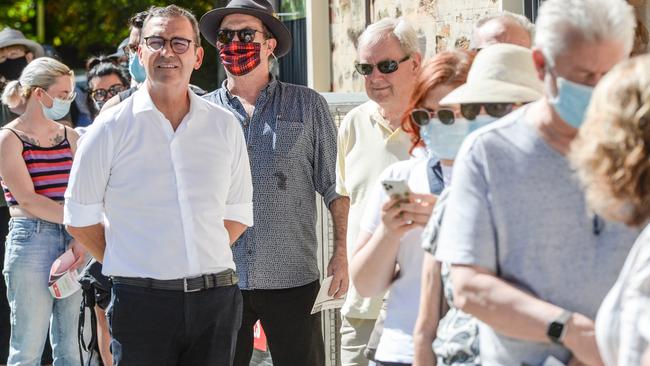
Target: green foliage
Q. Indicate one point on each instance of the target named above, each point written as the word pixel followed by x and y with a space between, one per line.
pixel 294 9
pixel 19 15
pixel 79 29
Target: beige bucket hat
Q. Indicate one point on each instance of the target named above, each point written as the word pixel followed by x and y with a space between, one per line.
pixel 500 73
pixel 13 37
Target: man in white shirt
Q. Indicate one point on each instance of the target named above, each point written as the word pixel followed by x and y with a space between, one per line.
pixel 159 190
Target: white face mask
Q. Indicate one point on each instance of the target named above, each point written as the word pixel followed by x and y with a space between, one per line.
pixel 58 109
pixel 445 140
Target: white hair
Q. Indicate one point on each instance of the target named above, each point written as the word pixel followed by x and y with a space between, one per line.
pixel 563 22
pixel 42 73
pixel 384 28
pixel 505 15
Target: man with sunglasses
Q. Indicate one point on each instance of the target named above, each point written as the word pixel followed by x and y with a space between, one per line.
pixel 291 140
pixel 164 238
pixel 369 140
pixel 528 259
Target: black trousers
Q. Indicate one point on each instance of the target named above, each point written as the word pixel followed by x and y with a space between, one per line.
pixel 161 327
pixel 293 334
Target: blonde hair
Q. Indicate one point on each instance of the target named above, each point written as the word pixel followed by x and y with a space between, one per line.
pixel 40 73
pixel 612 151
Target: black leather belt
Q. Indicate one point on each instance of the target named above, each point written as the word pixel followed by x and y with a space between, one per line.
pixel 204 282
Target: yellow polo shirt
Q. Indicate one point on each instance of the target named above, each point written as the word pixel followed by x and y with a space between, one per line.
pixel 366 146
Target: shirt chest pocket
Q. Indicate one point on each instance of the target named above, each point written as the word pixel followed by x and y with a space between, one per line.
pixel 287 137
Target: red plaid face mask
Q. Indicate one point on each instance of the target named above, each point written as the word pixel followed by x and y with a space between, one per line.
pixel 240 58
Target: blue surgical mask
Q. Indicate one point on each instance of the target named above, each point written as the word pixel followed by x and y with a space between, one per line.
pixel 444 141
pixel 135 69
pixel 58 109
pixel 571 101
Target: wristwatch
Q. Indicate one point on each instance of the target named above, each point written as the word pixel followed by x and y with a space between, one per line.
pixel 557 329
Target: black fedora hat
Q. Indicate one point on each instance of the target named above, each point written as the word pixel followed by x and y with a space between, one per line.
pixel 261 9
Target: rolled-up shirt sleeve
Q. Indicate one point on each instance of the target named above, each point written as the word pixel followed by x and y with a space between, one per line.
pixel 324 150
pixel 341 153
pixel 239 204
pixel 84 197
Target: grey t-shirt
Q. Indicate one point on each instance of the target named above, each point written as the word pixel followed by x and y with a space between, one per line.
pixel 517 210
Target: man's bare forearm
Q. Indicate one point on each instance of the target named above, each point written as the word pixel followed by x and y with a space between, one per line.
pixel 518 314
pixel 92 238
pixel 235 230
pixel 339 209
pixel 507 309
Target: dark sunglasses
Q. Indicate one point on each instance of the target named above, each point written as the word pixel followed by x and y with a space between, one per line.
pixel 179 45
pixel 422 116
pixel 498 110
pixel 385 67
pixel 246 35
pixel 101 95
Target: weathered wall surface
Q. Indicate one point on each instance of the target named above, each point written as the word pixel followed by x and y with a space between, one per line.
pixel 441 24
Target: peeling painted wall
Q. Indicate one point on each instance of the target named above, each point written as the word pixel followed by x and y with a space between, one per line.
pixel 642 9
pixel 441 24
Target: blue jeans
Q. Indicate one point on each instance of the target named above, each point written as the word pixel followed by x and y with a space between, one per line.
pixel 31 248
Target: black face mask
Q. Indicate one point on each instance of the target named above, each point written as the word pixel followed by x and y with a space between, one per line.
pixel 12 67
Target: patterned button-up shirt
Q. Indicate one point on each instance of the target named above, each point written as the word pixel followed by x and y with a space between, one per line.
pixel 291 140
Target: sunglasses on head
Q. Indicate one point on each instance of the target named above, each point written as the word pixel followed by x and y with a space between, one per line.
pixel 246 35
pixel 498 110
pixel 179 45
pixel 422 116
pixel 101 95
pixel 385 67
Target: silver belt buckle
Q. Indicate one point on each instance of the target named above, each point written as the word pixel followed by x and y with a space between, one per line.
pixel 185 289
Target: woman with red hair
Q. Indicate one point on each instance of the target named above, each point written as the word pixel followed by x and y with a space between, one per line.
pixel 388 255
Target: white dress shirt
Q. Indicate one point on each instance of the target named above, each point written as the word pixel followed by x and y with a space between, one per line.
pixel 162 194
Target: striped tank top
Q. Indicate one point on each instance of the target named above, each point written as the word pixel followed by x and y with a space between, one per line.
pixel 49 168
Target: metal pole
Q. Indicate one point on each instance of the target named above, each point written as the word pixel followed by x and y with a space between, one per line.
pixel 40 21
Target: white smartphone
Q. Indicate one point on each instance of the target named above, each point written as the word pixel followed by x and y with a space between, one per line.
pixel 398 188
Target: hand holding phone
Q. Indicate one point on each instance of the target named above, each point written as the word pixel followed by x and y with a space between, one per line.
pixel 396 189
pixel 405 209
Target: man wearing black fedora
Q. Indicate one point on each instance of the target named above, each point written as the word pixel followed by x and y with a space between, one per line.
pixel 291 141
pixel 16 52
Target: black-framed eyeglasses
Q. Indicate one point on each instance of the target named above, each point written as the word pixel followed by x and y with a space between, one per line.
pixel 101 95
pixel 498 110
pixel 385 67
pixel 422 116
pixel 156 43
pixel 245 35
